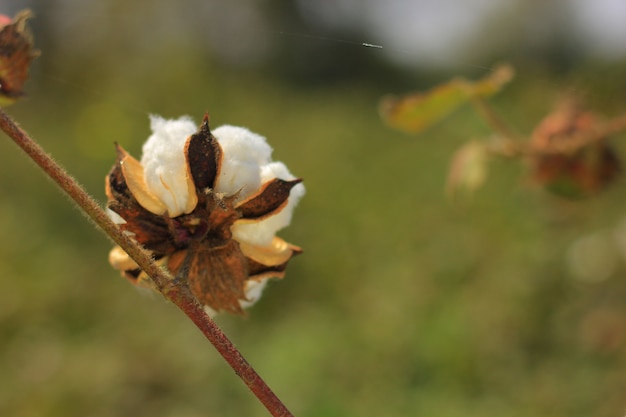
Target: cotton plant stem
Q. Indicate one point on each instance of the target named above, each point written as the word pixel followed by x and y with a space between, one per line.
pixel 86 203
pixel 171 289
pixel 182 297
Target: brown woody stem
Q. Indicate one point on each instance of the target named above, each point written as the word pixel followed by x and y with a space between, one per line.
pixel 171 289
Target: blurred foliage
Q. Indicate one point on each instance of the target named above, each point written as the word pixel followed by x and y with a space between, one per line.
pixel 416 112
pixel 401 305
pixel 568 152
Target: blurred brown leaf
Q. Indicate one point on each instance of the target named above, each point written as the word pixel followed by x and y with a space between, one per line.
pixel 16 54
pixel 415 112
pixel 570 154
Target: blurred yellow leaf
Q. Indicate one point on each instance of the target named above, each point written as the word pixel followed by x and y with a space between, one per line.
pixel 415 112
pixel 468 169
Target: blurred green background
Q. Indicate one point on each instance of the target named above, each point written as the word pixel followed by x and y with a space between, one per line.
pixel 403 304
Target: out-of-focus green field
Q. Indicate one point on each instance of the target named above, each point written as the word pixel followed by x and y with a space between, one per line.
pixel 403 304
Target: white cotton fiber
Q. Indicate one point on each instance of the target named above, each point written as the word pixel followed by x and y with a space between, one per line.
pixel 164 162
pixel 245 153
pixel 246 165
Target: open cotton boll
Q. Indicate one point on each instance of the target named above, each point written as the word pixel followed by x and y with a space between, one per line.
pixel 244 153
pixel 165 167
pixel 261 233
pixel 213 203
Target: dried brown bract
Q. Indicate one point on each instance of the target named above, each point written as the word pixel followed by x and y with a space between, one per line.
pixel 16 54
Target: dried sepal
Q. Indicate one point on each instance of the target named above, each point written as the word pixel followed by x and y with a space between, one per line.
pixel 217 275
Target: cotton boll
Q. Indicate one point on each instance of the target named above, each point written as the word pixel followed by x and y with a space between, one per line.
pixel 164 162
pixel 202 181
pixel 244 154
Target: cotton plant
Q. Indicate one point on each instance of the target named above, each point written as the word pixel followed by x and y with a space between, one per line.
pixel 206 246
pixel 195 219
pixel 207 206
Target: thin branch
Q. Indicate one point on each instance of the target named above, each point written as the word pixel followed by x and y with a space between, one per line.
pixel 173 290
pixel 510 144
pixel 507 147
pixel 182 297
pixel 493 120
pixel 580 140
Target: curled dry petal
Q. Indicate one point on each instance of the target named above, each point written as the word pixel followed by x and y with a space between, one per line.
pixel 134 176
pixel 120 260
pixel 278 252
